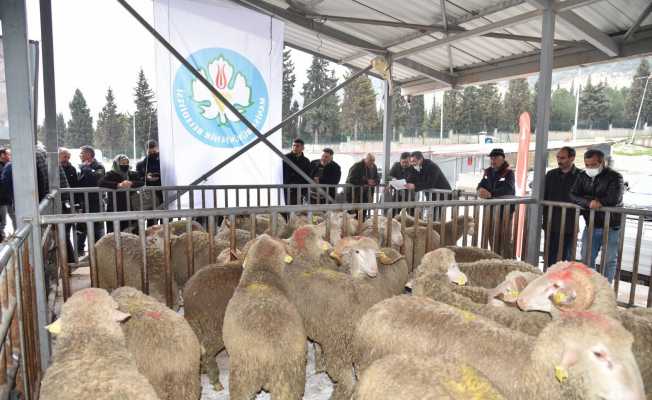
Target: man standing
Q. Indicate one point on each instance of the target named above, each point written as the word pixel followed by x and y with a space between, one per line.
pixel 90 173
pixel 149 171
pixel 67 204
pixel 596 187
pixel 498 182
pixel 324 171
pixel 559 182
pixel 5 201
pixel 425 174
pixel 291 177
pixel 363 175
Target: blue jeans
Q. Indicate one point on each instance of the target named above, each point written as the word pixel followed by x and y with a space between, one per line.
pixel 608 270
pixel 553 247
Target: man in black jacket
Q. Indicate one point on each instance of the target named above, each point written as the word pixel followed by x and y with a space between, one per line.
pixel 324 171
pixel 498 182
pixel 68 205
pixel 291 177
pixel 90 173
pixel 401 168
pixel 425 174
pixel 559 182
pixel 5 201
pixel 363 175
pixel 596 187
pixel 149 171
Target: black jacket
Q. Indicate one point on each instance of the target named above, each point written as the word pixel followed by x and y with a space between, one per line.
pixel 290 176
pixel 607 188
pixel 500 183
pixel 71 177
pixel 111 181
pixel 558 188
pixel 89 176
pixel 430 177
pixel 398 172
pixel 358 176
pixel 328 175
pixel 150 164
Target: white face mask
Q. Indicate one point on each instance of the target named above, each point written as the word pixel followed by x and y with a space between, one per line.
pixel 417 167
pixel 593 172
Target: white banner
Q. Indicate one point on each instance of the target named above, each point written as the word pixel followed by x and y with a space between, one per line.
pixel 241 53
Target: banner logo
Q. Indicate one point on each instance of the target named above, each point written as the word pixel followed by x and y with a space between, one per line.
pixel 207 118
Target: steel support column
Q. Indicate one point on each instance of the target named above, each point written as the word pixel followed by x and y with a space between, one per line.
pixel 49 99
pixel 387 130
pixel 21 132
pixel 542 124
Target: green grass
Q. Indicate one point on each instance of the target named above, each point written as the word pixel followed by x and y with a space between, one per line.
pixel 630 150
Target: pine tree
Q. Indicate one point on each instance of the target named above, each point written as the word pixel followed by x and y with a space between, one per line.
pixel 416 116
pixel 434 119
pixel 80 126
pixel 452 110
pixel 470 110
pixel 358 107
pixel 594 105
pixel 292 128
pixel 61 128
pixel 616 113
pixel 562 115
pixel 400 113
pixel 146 116
pixel 517 100
pixel 489 107
pixel 320 122
pixel 289 79
pixel 111 134
pixel 636 94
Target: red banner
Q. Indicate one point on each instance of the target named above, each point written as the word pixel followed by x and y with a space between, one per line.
pixel 521 175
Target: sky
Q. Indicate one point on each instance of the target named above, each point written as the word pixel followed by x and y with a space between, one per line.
pixel 97 44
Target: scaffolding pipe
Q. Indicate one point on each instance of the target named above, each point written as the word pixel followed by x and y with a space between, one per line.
pixel 387 130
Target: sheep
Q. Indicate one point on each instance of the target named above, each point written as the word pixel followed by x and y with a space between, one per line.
pixel 415 244
pixel 263 331
pixel 573 286
pixel 179 254
pixel 132 255
pixel 206 296
pixel 471 254
pixel 90 358
pixel 377 229
pixel 331 302
pixel 448 226
pixel 155 233
pixel 263 224
pixel 358 255
pixel 241 236
pixel 166 349
pixel 400 376
pixel 579 356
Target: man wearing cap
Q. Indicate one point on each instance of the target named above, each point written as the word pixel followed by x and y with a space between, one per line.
pixel 90 173
pixel 498 182
pixel 291 177
pixel 149 172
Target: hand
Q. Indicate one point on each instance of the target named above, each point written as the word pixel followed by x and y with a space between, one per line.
pixel 484 193
pixel 595 204
pixel 125 184
pixel 152 176
pixel 371 182
pixel 316 179
pixel 410 186
pixel 87 162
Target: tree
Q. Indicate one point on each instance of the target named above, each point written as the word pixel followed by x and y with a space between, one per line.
pixel 61 127
pixel 80 126
pixel 358 107
pixel 562 115
pixel 433 122
pixel 594 105
pixel 322 121
pixel 633 102
pixel 289 79
pixel 416 116
pixel 292 128
pixel 517 100
pixel 489 107
pixel 112 136
pixel 470 113
pixel 146 116
pixel 452 110
pixel 400 113
pixel 616 113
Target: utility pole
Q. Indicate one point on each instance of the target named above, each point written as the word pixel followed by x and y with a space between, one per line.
pixel 577 100
pixel 640 107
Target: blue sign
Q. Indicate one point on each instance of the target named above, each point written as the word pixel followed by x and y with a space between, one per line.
pixel 203 115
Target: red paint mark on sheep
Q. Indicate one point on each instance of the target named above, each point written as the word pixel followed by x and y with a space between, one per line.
pixel 89 295
pixel 153 314
pixel 300 236
pixel 600 320
pixel 580 267
pixel 564 272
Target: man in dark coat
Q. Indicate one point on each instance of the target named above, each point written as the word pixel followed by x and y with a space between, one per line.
pixel 5 200
pixel 559 182
pixel 291 177
pixel 149 169
pixel 363 175
pixel 401 170
pixel 596 187
pixel 91 171
pixel 324 171
pixel 425 174
pixel 67 205
pixel 498 182
pixel 120 177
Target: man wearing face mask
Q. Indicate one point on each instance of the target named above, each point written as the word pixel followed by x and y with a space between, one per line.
pixel 559 182
pixel 149 171
pixel 425 174
pixel 596 187
pixel 120 177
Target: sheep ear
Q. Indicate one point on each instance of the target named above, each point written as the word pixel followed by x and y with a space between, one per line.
pixel 336 256
pixel 119 316
pixel 55 327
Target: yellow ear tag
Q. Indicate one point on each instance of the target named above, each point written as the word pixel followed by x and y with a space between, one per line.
pixel 55 327
pixel 468 316
pixel 288 259
pixel 461 280
pixel 325 247
pixel 559 298
pixel 315 219
pixel 561 374
pixel 513 293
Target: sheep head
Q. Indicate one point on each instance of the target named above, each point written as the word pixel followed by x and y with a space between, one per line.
pixel 266 251
pixel 307 241
pixel 566 286
pixel 358 255
pixel 442 261
pixel 507 291
pixel 592 352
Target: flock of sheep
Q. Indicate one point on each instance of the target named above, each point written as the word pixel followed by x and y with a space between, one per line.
pixel 475 326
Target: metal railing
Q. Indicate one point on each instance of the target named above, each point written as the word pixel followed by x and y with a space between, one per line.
pixel 569 223
pixel 426 215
